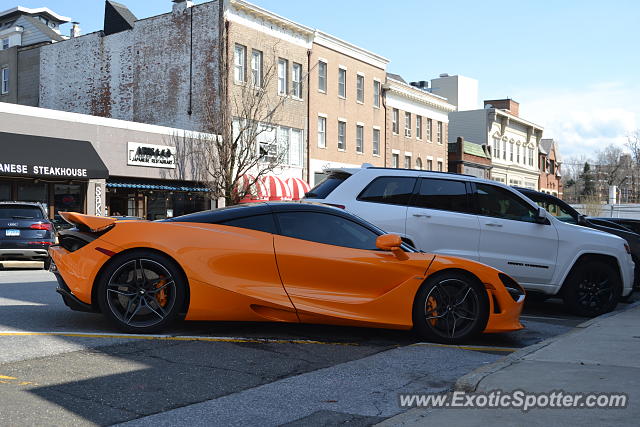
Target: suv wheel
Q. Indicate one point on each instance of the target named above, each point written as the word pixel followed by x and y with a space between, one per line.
pixel 592 288
pixel 450 307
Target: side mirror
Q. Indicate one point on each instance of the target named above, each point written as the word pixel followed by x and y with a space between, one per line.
pixel 391 242
pixel 540 217
pixel 582 220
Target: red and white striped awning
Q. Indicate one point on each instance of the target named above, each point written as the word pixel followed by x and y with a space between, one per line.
pixel 258 191
pixel 276 188
pixel 298 188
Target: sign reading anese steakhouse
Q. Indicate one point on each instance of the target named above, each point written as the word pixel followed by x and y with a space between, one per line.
pixel 38 170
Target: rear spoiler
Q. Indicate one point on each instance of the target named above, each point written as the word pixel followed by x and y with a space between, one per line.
pixel 88 222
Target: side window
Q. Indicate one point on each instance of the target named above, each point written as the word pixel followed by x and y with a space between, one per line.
pixel 500 203
pixel 442 194
pixel 558 211
pixel 326 228
pixel 257 222
pixel 389 189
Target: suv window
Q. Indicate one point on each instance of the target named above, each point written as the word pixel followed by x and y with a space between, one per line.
pixel 327 185
pixel 393 190
pixel 500 203
pixel 441 194
pixel 326 228
pixel 20 212
pixel 257 222
pixel 557 210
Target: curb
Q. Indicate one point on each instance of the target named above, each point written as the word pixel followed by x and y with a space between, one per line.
pixel 469 382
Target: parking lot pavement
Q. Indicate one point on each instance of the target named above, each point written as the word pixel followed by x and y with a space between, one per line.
pixel 74 368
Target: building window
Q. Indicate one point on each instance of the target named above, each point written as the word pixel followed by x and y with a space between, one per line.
pixel 395 160
pixel 256 68
pixel 5 80
pixel 407 124
pixel 295 147
pixel 322 76
pixel 518 154
pixel 429 130
pixel 530 156
pixel 395 118
pixel 342 83
pixel 439 134
pixel 376 93
pixel 342 135
pixel 322 132
pixel 504 150
pixel 407 162
pixel 419 127
pixel 5 44
pixel 429 164
pixel 283 78
pixel 376 142
pixel 359 139
pixel 240 61
pixel 297 80
pixel 439 166
pixel 360 88
pixel 496 148
pixel 511 152
pixel 419 163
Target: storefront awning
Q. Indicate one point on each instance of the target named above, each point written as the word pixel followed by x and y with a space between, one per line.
pixel 43 157
pixel 155 187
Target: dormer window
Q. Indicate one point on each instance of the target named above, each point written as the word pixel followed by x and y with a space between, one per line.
pixel 5 44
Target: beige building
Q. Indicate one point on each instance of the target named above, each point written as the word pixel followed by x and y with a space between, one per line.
pixel 346 111
pixel 417 127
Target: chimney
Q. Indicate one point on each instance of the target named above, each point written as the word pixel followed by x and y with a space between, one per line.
pixel 460 139
pixel 508 104
pixel 75 30
pixel 180 6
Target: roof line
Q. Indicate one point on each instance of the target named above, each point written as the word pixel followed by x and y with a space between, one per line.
pixel 35 11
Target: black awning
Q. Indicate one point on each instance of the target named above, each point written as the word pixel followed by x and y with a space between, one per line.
pixel 44 157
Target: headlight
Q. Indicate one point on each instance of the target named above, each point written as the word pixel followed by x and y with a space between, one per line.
pixel 515 290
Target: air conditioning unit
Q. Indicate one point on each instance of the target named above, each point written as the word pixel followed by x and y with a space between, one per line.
pixel 407 132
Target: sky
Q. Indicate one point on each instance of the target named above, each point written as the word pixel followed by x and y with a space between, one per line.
pixel 573 65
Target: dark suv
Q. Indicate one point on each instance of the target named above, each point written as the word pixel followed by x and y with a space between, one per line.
pixel 25 232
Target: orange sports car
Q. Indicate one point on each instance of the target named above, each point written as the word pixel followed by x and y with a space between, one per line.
pixel 286 262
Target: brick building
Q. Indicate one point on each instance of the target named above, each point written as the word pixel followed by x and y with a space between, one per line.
pixel 550 174
pixel 416 127
pixel 469 158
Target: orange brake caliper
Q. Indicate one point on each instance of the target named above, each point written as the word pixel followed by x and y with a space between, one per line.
pixel 432 305
pixel 161 296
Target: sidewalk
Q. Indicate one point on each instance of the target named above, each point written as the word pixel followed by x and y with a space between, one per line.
pixel 601 355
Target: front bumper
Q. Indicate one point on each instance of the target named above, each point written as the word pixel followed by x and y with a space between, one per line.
pixel 504 315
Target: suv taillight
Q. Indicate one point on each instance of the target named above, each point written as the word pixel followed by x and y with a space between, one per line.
pixel 41 226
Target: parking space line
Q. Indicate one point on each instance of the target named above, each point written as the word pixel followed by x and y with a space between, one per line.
pixel 468 347
pixel 526 316
pixel 172 338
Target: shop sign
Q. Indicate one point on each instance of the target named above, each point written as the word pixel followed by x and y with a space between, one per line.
pixel 150 155
pixel 98 200
pixel 40 170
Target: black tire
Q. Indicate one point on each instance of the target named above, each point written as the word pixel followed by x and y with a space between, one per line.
pixel 47 264
pixel 592 288
pixel 466 308
pixel 536 297
pixel 141 292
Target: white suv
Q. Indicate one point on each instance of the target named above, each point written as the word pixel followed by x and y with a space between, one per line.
pixel 486 221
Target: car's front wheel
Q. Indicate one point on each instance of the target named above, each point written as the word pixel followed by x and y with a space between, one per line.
pixel 451 307
pixel 592 288
pixel 141 292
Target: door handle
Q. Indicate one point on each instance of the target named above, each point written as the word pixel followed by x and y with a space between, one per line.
pixel 422 216
pixel 493 224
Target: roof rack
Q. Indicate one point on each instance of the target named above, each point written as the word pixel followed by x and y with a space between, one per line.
pixel 424 171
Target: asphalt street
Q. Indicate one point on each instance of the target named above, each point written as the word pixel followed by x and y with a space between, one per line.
pixel 59 367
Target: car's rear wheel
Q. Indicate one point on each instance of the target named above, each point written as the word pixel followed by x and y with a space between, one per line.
pixel 451 307
pixel 592 288
pixel 141 292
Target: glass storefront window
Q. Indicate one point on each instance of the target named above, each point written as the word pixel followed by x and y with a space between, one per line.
pixel 5 191
pixel 32 192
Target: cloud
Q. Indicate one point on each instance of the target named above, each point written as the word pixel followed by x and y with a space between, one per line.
pixel 584 122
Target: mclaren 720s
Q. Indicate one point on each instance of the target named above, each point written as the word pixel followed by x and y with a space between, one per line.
pixel 279 261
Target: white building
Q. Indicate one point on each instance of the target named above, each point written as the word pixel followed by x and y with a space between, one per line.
pixel 514 141
pixel 459 90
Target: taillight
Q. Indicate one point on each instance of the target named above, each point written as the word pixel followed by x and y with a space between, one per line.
pixel 41 226
pixel 43 242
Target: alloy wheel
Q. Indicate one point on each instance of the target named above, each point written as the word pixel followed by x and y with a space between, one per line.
pixel 452 308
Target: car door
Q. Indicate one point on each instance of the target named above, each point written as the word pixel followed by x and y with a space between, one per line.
pixel 510 238
pixel 331 268
pixel 383 202
pixel 440 218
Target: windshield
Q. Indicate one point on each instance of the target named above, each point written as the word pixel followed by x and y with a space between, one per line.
pixel 20 212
